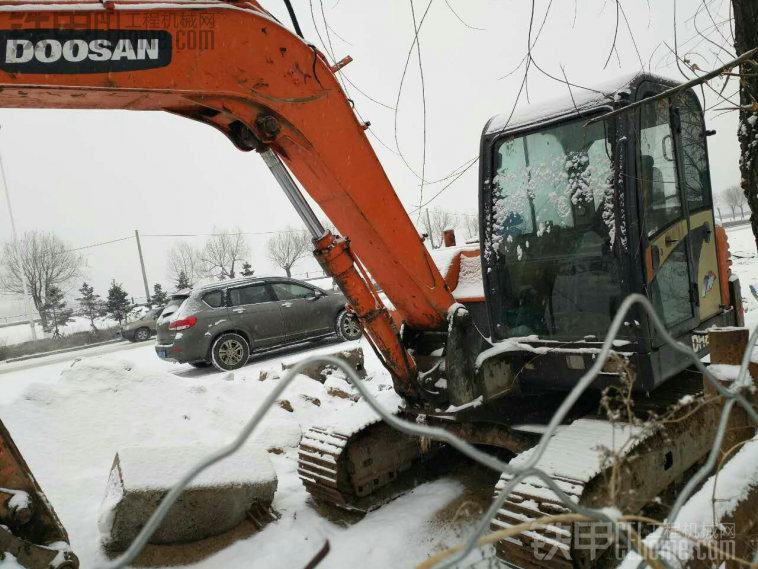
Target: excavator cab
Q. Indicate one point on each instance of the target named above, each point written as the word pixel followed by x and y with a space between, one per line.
pixel 578 213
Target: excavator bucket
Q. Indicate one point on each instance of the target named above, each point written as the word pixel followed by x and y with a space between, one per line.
pixel 30 530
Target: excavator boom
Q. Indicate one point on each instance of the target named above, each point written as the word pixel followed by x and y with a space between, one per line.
pixel 233 66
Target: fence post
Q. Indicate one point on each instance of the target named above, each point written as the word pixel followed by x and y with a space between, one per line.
pixel 727 348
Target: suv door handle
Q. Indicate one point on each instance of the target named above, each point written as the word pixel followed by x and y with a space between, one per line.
pixel 238 310
pixel 286 304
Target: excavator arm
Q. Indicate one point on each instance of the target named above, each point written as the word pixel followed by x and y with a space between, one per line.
pixel 233 66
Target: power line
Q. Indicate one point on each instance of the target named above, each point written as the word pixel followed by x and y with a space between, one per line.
pixel 99 244
pixel 222 234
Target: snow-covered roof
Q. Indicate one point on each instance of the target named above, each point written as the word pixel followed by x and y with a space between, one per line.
pixel 580 100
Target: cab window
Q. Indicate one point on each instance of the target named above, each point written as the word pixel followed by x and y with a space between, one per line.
pixel 292 291
pixel 694 152
pixel 253 294
pixel 214 299
pixel 657 172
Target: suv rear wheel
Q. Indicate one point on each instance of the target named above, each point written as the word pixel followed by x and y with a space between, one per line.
pixel 230 351
pixel 347 327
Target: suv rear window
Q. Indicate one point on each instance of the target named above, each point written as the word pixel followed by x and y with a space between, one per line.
pixel 214 299
pixel 173 304
pixel 253 294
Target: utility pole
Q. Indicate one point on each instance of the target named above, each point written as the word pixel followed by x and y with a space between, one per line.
pixel 429 228
pixel 142 263
pixel 18 253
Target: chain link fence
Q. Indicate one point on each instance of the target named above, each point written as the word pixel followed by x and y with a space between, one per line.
pixel 455 557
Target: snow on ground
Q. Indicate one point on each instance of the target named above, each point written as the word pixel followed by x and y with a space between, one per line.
pixel 71 413
pixel 745 266
pixel 69 418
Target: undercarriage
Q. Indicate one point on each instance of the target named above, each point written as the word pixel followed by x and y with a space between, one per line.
pixel 626 463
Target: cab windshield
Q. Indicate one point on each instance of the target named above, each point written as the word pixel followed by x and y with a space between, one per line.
pixel 553 232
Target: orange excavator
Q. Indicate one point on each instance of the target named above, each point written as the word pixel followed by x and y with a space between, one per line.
pixel 575 214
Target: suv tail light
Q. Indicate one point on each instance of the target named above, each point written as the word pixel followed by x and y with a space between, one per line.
pixel 183 324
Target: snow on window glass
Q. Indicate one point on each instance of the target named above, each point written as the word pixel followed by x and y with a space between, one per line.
pixel 561 176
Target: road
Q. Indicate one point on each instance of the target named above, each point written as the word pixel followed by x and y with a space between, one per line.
pixel 69 356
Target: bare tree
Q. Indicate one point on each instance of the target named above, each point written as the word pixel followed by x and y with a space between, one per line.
pixel 745 38
pixel 471 226
pixel 223 252
pixel 734 198
pixel 284 249
pixel 183 259
pixel 435 221
pixel 43 260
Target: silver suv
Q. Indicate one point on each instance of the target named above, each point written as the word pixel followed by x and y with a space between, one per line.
pixel 222 323
pixel 143 328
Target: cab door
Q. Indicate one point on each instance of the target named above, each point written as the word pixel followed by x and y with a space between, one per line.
pixel 696 182
pixel 669 271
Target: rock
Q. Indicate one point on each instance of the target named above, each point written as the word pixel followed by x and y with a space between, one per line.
pixel 337 387
pixel 316 401
pixel 321 371
pixel 229 376
pixel 215 502
pixel 268 374
pixel 286 405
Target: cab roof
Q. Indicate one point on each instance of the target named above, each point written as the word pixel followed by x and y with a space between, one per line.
pixel 577 102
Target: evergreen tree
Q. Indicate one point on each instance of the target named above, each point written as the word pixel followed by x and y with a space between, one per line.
pixel 160 296
pixel 90 304
pixel 247 270
pixel 56 313
pixel 117 306
pixel 182 282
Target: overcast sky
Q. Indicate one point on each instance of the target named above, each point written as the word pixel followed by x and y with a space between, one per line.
pixel 96 176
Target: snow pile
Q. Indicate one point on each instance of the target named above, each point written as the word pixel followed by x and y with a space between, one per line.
pixel 697 517
pixel 88 411
pixel 470 283
pixel 443 257
pixel 156 468
pixel 278 434
pixel 744 265
pixel 114 493
pixel 336 386
pixel 101 405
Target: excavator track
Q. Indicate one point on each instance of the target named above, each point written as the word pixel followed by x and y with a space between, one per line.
pixel 355 463
pixel 356 472
pixel 576 460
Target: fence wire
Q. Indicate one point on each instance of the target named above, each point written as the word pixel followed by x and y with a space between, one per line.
pixel 526 470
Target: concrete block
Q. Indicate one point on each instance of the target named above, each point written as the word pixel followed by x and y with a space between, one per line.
pixel 320 371
pixel 215 502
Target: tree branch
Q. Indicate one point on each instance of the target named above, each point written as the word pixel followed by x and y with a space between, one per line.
pixel 675 90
